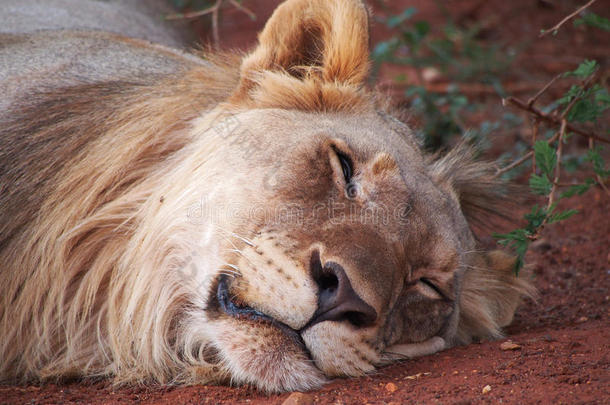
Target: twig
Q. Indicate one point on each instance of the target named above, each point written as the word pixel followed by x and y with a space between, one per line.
pixel 566 19
pixel 597 176
pixel 532 100
pixel 565 184
pixel 551 118
pixel 514 164
pixel 534 136
pixel 215 11
pixel 242 8
pixel 470 89
pixel 215 34
pixel 195 14
pixel 522 158
pixel 562 133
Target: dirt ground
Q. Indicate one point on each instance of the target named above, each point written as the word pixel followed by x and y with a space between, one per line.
pixel 558 349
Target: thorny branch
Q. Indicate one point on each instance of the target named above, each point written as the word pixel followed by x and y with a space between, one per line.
pixel 214 11
pixel 566 19
pixel 551 119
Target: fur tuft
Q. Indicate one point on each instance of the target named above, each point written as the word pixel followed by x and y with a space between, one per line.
pixel 491 292
pixel 486 201
pixel 324 42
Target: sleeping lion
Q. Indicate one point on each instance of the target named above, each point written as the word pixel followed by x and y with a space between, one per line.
pixel 169 217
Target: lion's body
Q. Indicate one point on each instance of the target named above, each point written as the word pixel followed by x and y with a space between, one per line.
pixel 133 176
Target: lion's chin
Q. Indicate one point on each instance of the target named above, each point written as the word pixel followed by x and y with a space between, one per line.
pixel 412 350
pixel 257 349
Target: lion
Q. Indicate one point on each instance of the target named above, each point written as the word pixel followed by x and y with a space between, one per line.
pixel 264 219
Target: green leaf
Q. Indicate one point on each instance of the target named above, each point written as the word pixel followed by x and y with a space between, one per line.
pixel 535 218
pixel 560 216
pixel 397 20
pixel 577 189
pixel 602 97
pixel 384 50
pixel 507 239
pixel 585 69
pixel 599 166
pixel 422 28
pixel 583 111
pixel 518 241
pixel 593 20
pixel 545 157
pixel 540 184
pixel 575 91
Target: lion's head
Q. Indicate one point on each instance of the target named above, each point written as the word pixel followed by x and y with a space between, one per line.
pixel 344 246
pixel 296 232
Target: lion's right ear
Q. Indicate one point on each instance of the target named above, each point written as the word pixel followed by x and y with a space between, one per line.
pixel 324 40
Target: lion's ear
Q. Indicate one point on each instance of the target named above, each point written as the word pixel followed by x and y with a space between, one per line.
pixel 490 294
pixel 325 39
pixel 487 202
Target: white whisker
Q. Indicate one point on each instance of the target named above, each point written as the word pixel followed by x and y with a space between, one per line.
pixel 246 241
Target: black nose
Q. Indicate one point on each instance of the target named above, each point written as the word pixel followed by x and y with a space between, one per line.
pixel 337 300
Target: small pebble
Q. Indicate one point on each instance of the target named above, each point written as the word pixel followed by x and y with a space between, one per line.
pixel 298 398
pixel 486 389
pixel 416 376
pixel 391 387
pixel 508 345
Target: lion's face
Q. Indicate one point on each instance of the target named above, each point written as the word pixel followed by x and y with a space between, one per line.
pixel 345 247
pixel 347 254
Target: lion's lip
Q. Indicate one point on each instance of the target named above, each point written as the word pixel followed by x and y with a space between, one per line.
pixel 231 308
pixel 244 312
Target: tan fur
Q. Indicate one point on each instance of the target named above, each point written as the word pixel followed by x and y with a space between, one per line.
pixel 490 296
pixel 125 201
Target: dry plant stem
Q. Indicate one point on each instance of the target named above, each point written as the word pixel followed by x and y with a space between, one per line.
pixel 195 14
pixel 243 9
pixel 535 126
pixel 522 158
pixel 551 118
pixel 566 19
pixel 597 176
pixel 215 34
pixel 562 134
pixel 532 100
pixel 514 164
pixel 215 11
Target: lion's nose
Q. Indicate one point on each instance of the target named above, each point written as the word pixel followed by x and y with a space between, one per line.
pixel 337 300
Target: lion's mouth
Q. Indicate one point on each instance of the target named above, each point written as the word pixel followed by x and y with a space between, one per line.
pixel 228 305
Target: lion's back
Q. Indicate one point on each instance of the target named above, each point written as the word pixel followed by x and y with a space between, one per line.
pixel 141 19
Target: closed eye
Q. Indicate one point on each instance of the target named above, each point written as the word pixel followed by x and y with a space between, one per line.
pixel 425 281
pixel 346 165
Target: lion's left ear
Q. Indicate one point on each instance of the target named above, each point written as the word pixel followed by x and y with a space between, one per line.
pixel 325 39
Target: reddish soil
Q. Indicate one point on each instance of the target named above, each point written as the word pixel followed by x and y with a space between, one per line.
pixel 562 353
